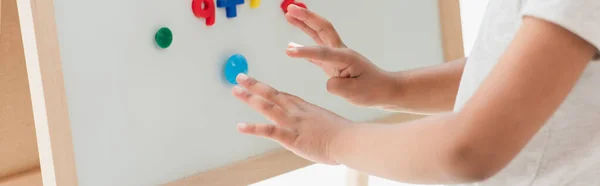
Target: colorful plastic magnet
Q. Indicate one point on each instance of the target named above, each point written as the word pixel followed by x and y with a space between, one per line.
pixel 230 6
pixel 254 3
pixel 235 65
pixel 204 9
pixel 164 37
pixel 286 3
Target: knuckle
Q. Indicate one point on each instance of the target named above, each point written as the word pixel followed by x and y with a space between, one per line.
pixel 251 128
pixel 323 52
pixel 251 82
pixel 267 106
pixel 340 54
pixel 315 37
pixel 353 52
pixel 292 97
pixel 308 13
pixel 350 52
pixel 246 94
pixel 270 130
pixel 340 42
pixel 345 57
pixel 272 93
pixel 299 142
pixel 352 55
pixel 295 119
pixel 305 28
pixel 337 43
pixel 327 25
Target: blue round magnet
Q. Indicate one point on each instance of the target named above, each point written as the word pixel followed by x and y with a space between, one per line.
pixel 235 65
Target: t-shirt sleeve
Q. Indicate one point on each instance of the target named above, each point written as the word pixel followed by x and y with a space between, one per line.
pixel 581 17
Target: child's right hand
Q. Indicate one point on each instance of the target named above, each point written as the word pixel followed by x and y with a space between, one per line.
pixel 352 76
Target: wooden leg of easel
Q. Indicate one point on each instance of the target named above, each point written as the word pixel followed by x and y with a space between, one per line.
pixel 0 15
pixel 355 178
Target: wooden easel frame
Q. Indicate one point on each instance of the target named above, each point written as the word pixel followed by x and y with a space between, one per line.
pixel 1 15
pixel 50 113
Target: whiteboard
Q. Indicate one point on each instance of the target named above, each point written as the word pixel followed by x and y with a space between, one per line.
pixel 142 115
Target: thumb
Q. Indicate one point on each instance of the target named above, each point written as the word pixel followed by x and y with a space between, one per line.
pixel 342 86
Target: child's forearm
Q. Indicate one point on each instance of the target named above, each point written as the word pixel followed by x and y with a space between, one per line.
pixel 421 152
pixel 510 106
pixel 429 89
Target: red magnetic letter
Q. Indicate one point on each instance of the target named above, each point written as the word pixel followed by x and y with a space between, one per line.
pixel 287 3
pixel 207 12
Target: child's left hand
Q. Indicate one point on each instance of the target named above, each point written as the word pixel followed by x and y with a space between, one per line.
pixel 301 127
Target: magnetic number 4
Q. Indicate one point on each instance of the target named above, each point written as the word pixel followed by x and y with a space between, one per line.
pixel 230 6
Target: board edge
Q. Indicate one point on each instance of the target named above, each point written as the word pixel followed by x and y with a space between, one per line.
pixel 247 172
pixel 47 91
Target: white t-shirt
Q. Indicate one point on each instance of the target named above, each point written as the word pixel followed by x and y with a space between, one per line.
pixel 566 151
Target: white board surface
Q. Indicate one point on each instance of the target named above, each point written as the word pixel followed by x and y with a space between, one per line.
pixel 141 115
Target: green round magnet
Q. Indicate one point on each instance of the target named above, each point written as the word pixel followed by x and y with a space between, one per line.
pixel 164 37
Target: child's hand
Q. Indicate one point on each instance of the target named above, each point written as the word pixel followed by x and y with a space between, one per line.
pixel 301 127
pixel 318 28
pixel 352 76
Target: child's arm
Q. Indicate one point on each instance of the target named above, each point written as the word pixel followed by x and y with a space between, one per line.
pixel 355 78
pixel 528 84
pixel 429 89
pixel 424 90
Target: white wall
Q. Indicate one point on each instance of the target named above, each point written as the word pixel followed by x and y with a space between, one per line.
pixel 472 12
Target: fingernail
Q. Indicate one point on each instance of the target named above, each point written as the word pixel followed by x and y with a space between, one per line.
pixel 293 44
pixel 242 125
pixel 242 77
pixel 292 50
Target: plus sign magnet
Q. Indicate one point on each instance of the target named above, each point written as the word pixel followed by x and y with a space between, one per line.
pixel 230 6
pixel 235 65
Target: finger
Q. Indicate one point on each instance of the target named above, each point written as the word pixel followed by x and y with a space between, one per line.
pixel 302 104
pixel 338 58
pixel 268 109
pixel 295 99
pixel 320 25
pixel 264 90
pixel 293 45
pixel 344 87
pixel 307 30
pixel 272 132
